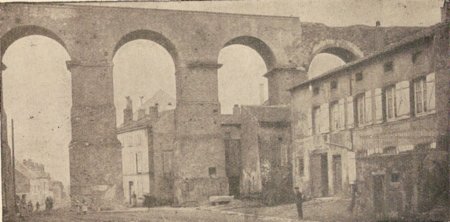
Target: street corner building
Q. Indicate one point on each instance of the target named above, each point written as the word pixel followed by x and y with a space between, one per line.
pixel 379 122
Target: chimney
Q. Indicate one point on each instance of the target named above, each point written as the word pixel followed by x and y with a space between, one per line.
pixel 379 36
pixel 128 111
pixel 141 114
pixel 153 112
pixel 261 93
pixel 236 110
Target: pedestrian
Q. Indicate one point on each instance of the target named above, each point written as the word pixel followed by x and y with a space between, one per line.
pixel 354 190
pixel 30 207
pixel 299 202
pixel 133 200
pixel 84 207
pixel 47 203
pixel 23 206
pixel 37 206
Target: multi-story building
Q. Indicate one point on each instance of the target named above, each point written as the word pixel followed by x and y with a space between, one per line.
pixel 147 152
pixel 33 181
pixel 380 122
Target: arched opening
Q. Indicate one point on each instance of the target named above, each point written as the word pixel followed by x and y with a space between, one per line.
pixel 240 79
pixel 38 98
pixel 145 98
pixel 331 54
pixel 144 71
pixel 322 63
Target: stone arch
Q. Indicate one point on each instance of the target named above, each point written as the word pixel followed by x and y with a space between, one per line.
pixel 345 50
pixel 258 45
pixel 152 36
pixel 22 31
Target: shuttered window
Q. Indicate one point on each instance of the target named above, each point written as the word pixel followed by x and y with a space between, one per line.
pixel 315 120
pixel 378 97
pixel 420 96
pixel 368 107
pixel 334 116
pixel 349 112
pixel 402 99
pixel 390 102
pixel 430 99
pixel 325 118
pixel 360 109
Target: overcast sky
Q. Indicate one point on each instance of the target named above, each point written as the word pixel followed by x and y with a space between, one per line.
pixel 37 85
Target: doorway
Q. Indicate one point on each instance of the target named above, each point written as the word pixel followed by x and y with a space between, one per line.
pixel 324 174
pixel 233 183
pixel 378 193
pixel 130 191
pixel 337 174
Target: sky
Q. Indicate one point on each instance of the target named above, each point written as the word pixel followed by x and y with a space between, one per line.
pixel 37 85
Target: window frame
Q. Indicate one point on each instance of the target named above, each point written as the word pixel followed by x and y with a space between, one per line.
pixel 315 112
pixel 387 90
pixel 359 76
pixel 360 97
pixel 334 85
pixel 316 90
pixel 388 67
pixel 334 116
pixel 422 82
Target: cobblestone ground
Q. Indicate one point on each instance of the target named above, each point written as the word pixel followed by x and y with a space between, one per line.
pixel 317 210
pixel 325 209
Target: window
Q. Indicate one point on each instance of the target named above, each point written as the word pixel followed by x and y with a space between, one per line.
pixel 315 120
pixel 212 172
pixel 316 90
pixel 359 76
pixel 333 84
pixel 334 116
pixel 360 109
pixel 395 177
pixel 420 92
pixel 390 102
pixel 139 163
pixel 390 150
pixel 301 166
pixel 388 66
pixel 415 56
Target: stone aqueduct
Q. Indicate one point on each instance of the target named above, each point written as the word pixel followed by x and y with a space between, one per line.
pixel 92 34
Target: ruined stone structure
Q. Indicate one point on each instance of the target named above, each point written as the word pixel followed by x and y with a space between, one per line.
pixel 92 34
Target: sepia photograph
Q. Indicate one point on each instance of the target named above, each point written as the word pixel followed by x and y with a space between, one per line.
pixel 225 110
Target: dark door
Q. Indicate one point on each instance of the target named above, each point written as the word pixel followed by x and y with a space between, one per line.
pixel 324 174
pixel 233 183
pixel 378 193
pixel 337 174
pixel 315 173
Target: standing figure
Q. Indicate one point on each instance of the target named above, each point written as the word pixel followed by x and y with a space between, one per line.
pixel 299 202
pixel 133 200
pixel 38 206
pixel 23 205
pixel 30 207
pixel 47 203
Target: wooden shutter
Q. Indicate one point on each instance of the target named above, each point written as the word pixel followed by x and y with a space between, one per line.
pixel 402 99
pixel 350 123
pixel 325 117
pixel 341 114
pixel 368 107
pixel 431 91
pixel 378 105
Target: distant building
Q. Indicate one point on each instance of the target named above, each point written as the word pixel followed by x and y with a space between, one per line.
pixel 147 152
pixel 33 181
pixel 380 122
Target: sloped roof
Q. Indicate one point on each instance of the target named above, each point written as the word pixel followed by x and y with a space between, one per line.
pixel 419 35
